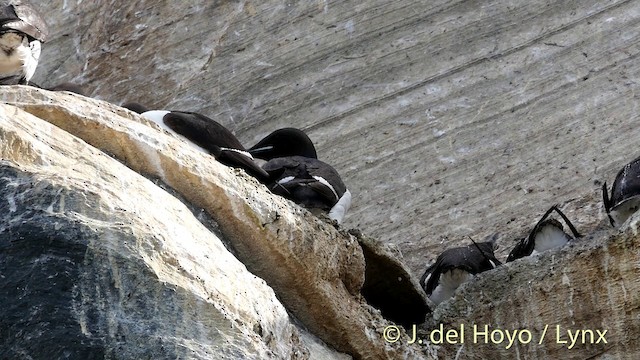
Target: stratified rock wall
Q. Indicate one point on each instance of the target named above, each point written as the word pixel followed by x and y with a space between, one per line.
pixel 445 118
pixel 99 262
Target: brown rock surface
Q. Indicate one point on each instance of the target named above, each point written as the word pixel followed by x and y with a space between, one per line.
pixel 98 262
pixel 316 271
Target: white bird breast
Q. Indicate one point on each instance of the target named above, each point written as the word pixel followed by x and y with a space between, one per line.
pixel 448 283
pixel 339 210
pixel 624 210
pixel 549 237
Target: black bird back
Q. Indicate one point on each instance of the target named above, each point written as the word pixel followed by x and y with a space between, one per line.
pixel 474 259
pixel 626 184
pixel 305 189
pixel 215 138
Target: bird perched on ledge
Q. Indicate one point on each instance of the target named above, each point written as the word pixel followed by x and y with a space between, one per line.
pixel 625 194
pixel 208 136
pixel 22 30
pixel 456 266
pixel 296 173
pixel 546 234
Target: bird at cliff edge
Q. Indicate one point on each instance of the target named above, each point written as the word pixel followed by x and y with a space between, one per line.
pixel 208 136
pixel 624 200
pixel 22 30
pixel 296 173
pixel 454 267
pixel 547 234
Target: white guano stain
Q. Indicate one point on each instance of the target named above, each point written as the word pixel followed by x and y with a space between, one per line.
pixel 350 27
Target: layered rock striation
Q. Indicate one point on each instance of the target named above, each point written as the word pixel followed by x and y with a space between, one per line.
pixel 316 270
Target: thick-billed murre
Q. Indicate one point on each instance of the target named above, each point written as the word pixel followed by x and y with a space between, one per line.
pixel 455 266
pixel 296 173
pixel 625 194
pixel 208 136
pixel 546 234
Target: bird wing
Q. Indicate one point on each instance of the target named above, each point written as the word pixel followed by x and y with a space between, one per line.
pixel 215 138
pixel 308 172
pixel 320 169
pixel 282 143
pixel 205 132
pixel 474 258
pixel 433 273
pixel 425 275
pixel 520 250
pixel 626 184
pixel 238 159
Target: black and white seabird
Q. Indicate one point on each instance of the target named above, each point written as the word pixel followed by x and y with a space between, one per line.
pixel 296 173
pixel 208 136
pixel 22 30
pixel 456 266
pixel 625 194
pixel 547 234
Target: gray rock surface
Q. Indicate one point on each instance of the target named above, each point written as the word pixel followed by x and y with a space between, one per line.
pixel 446 119
pixel 590 289
pixel 316 271
pixel 98 262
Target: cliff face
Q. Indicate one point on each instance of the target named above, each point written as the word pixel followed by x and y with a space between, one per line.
pixel 432 111
pixel 131 245
pixel 99 262
pixel 577 303
pixel 446 119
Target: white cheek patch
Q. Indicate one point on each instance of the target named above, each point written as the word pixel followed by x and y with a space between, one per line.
pixel 339 210
pixel 448 283
pixel 324 182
